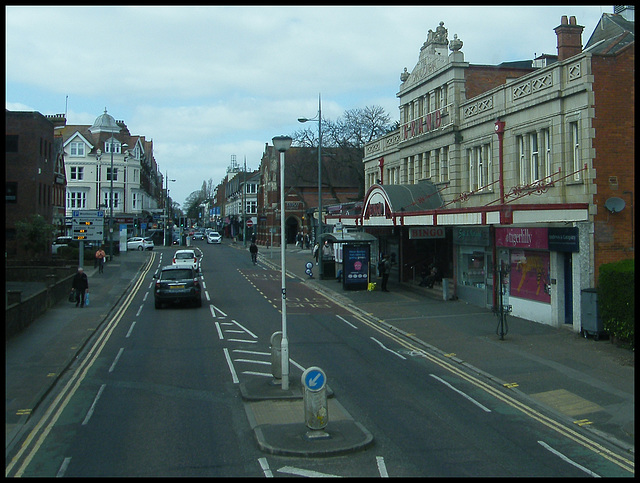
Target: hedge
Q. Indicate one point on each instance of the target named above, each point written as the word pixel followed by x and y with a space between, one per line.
pixel 616 302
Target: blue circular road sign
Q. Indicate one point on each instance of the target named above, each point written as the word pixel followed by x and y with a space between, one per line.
pixel 314 379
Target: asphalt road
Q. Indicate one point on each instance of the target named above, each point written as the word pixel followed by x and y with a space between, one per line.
pixel 160 396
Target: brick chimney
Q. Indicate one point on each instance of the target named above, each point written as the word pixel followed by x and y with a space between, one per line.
pixel 569 38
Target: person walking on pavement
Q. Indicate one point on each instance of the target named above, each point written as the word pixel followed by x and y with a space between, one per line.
pixel 386 270
pixel 254 252
pixel 100 255
pixel 80 285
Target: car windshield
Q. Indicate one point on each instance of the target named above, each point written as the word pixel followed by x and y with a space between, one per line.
pixel 176 274
pixel 184 255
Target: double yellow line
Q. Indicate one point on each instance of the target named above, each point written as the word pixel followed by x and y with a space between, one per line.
pixel 31 445
pixel 556 426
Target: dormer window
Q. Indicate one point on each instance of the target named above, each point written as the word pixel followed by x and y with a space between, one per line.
pixel 117 147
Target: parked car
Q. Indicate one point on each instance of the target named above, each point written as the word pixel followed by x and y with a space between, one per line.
pixel 214 237
pixel 140 243
pixel 198 235
pixel 176 283
pixel 186 258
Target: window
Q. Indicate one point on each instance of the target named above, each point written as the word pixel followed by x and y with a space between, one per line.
pixel 76 149
pixel 115 174
pixel 575 151
pixel 534 157
pixel 546 152
pixel 427 164
pixel 436 165
pixel 252 207
pixel 522 168
pixel 77 173
pixel 480 176
pixel 252 188
pixel 137 201
pixel 116 146
pixel 76 199
pixel 11 141
pixel 116 199
pixel 444 164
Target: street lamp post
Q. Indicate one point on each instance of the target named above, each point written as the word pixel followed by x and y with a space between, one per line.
pixel 319 228
pixel 111 204
pixel 166 219
pixel 282 143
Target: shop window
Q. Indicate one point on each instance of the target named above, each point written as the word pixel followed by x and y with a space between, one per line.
pixel 471 267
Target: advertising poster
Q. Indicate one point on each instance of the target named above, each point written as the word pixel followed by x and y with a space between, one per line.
pixel 530 275
pixel 356 267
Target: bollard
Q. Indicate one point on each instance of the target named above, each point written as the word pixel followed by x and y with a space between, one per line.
pixel 276 355
pixel 314 392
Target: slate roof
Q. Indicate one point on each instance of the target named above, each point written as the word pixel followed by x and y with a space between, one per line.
pixel 612 34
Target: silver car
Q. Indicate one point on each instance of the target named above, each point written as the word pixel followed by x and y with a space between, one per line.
pixel 140 243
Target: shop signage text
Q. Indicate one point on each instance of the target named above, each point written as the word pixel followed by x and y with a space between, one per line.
pixel 421 232
pixel 421 125
pixel 522 238
pixel 471 236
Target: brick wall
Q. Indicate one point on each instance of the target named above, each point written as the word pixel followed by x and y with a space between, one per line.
pixel 31 168
pixel 614 144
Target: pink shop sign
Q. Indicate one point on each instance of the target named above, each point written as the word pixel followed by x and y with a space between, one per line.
pixel 522 238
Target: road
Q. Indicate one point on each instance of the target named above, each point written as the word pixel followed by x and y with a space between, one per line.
pixel 156 393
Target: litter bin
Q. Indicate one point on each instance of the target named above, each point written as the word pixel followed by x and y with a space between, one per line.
pixel 590 315
pixel 447 288
pixel 328 269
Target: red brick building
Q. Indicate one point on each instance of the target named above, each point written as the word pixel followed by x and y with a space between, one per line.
pixel 342 182
pixel 34 173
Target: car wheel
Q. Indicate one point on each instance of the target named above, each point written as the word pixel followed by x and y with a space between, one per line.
pixel 157 305
pixel 140 247
pixel 199 302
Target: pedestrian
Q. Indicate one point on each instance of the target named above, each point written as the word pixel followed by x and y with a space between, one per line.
pixel 254 252
pixel 100 256
pixel 80 286
pixel 386 270
pixel 316 250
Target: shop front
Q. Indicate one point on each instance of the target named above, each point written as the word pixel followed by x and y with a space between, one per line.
pixel 524 251
pixel 474 262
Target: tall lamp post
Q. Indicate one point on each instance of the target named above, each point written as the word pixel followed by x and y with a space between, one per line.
pixel 319 228
pixel 282 143
pixel 166 219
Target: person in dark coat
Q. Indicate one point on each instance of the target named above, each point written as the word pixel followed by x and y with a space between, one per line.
pixel 386 270
pixel 80 285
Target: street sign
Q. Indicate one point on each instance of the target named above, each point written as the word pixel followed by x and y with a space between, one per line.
pixel 314 379
pixel 88 225
pixel 249 223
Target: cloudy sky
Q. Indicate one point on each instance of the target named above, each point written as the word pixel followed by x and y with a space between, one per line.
pixel 206 83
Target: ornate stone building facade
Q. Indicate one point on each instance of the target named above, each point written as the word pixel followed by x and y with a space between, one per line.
pixel 521 160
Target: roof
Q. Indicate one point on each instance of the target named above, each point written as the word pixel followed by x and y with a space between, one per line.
pixel 347 237
pixel 612 34
pixel 413 197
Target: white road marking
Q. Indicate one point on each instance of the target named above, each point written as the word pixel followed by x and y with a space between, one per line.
pixel 557 453
pixel 306 473
pixel 131 329
pixel 346 321
pixel 382 467
pixel 115 361
pixel 387 349
pixel 265 467
pixel 462 394
pixel 93 406
pixel 231 368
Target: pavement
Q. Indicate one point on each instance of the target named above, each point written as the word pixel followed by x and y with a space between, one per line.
pixel 583 382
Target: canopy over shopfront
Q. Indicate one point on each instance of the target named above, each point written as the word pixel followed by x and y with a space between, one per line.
pixel 393 200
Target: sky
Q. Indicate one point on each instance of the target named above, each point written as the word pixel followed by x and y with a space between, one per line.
pixel 208 83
